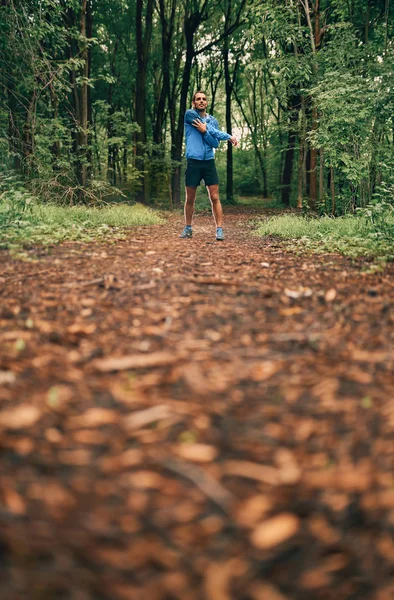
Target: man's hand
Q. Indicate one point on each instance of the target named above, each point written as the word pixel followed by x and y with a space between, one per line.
pixel 202 127
pixel 234 141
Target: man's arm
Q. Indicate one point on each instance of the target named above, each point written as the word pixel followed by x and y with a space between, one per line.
pixel 192 117
pixel 212 133
pixel 210 139
pixel 220 134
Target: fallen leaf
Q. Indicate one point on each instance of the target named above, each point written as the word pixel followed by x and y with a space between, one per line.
pixel 263 370
pixel 142 418
pixel 266 591
pixel 249 470
pixel 218 577
pixel 20 417
pixel 200 453
pixel 7 377
pixel 135 361
pixel 80 328
pixel 14 502
pixel 15 335
pixel 275 531
pixel 330 295
pixel 252 510
pixel 94 417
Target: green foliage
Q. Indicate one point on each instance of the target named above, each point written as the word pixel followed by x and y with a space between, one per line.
pixel 371 233
pixel 26 221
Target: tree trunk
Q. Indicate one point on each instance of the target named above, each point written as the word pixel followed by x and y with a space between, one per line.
pixel 143 38
pixel 289 158
pixel 321 178
pixel 313 166
pixel 191 25
pixel 82 114
pixel 228 88
pixel 80 93
pixel 28 135
pixel 332 186
pixel 300 169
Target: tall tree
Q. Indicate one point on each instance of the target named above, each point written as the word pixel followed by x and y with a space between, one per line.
pixel 143 38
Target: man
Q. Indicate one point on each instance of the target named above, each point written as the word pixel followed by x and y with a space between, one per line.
pixel 202 137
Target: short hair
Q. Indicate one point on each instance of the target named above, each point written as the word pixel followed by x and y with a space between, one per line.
pixel 198 92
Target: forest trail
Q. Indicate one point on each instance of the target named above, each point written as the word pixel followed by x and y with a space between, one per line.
pixel 195 420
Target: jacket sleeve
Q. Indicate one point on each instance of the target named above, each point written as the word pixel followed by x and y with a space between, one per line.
pixel 190 115
pixel 210 139
pixel 214 131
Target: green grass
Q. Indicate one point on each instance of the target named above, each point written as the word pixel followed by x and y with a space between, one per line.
pixel 46 224
pixel 350 235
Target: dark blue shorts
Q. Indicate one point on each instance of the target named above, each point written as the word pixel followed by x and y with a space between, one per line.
pixel 197 170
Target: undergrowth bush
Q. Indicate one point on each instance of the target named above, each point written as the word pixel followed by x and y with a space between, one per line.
pixel 25 220
pixel 369 233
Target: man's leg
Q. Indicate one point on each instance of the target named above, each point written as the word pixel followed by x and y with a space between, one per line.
pixel 189 205
pixel 213 192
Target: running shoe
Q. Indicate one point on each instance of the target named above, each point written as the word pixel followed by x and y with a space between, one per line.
pixel 219 234
pixel 187 233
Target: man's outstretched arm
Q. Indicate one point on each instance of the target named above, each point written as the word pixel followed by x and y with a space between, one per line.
pixel 210 132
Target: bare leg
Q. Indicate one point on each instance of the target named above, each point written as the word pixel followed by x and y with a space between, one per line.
pixel 217 211
pixel 189 204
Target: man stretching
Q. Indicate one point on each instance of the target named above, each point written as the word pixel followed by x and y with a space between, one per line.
pixel 202 135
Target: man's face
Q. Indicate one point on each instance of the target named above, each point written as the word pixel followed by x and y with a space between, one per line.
pixel 200 102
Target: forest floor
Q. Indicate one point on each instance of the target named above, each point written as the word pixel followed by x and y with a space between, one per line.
pixel 195 420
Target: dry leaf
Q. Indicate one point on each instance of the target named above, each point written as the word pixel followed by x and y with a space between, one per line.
pixel 7 377
pixel 266 591
pixel 81 328
pixel 330 295
pixel 142 418
pixel 273 532
pixel 315 579
pixel 243 468
pixel 264 370
pixel 19 417
pixel 252 510
pixel 218 577
pixel 94 417
pixel 200 453
pixel 135 361
pixel 14 502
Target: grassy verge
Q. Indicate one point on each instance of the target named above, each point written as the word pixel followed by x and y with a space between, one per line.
pixel 351 235
pixel 39 224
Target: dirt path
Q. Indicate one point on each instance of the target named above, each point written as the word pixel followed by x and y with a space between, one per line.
pixel 193 420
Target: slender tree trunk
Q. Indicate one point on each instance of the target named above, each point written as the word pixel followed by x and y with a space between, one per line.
pixel 300 168
pixel 228 88
pixel 289 158
pixel 321 177
pixel 315 35
pixel 366 26
pixel 259 158
pixel 301 155
pixel 313 166
pixel 332 186
pixel 80 93
pixel 214 81
pixel 28 135
pixel 191 26
pixel 143 37
pixel 82 115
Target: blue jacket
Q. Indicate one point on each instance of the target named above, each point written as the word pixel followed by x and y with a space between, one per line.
pixel 201 146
